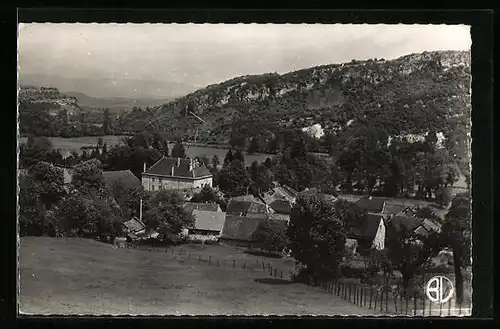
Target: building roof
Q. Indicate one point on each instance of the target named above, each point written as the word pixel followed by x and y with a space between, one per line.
pixel 191 206
pixel 242 228
pixel 368 229
pixel 371 204
pixel 134 225
pixel 285 217
pixel 209 220
pixel 350 197
pixel 280 193
pixel 125 177
pixel 406 222
pixel 181 168
pixel 246 204
pixel 281 206
pixel 393 209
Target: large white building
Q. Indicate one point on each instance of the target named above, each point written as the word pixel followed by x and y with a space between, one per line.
pixel 176 174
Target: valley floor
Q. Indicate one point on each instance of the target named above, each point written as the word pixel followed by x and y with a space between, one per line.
pixel 77 276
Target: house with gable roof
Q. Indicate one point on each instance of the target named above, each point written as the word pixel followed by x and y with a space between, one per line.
pixel 176 174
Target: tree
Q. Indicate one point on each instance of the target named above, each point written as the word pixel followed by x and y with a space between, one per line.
pixel 271 236
pixel 228 158
pixel 209 195
pixel 40 190
pixel 408 251
pixel 88 178
pixel 106 123
pixel 349 213
pixel 456 233
pixel 215 161
pixel 261 176
pixel 316 236
pixel 48 183
pixel 178 150
pixel 167 216
pixel 443 197
pixel 233 179
pixel 253 147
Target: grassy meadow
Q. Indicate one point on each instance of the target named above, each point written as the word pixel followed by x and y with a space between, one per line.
pixel 68 145
pixel 78 276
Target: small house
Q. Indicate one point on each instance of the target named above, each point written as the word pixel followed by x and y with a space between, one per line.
pixel 207 223
pixel 369 234
pixel 190 206
pixel 123 177
pixel 239 230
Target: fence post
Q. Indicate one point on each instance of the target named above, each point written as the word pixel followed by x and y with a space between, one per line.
pixel 350 292
pixel 395 303
pixel 430 308
pixel 414 303
pixel 381 301
pixel 401 303
pixel 234 263
pixel 275 272
pixel 387 300
pixel 371 296
pixel 376 299
pixel 363 294
pixel 281 277
pixel 263 266
pixel 423 306
pixel 449 307
pixel 406 302
pixel 209 260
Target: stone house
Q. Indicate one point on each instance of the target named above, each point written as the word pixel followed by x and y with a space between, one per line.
pixel 176 174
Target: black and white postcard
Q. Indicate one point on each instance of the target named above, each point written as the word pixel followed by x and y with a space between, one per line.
pixel 244 169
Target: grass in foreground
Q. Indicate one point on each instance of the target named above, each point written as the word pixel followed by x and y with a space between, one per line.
pixel 77 276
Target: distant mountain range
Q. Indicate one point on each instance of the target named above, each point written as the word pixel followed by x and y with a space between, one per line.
pixel 114 104
pixel 110 89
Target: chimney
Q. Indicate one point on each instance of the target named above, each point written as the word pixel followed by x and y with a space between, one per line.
pixel 144 167
pixel 140 211
pixel 178 162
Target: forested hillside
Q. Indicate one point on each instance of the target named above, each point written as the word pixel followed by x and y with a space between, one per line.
pixel 409 96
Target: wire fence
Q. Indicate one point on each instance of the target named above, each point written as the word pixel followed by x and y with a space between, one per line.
pixel 229 262
pixel 383 300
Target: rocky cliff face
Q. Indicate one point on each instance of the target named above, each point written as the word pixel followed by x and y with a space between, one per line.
pixel 409 95
pixel 47 99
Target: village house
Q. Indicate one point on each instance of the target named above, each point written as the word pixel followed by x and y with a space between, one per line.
pixel 176 174
pixel 421 226
pixel 190 206
pixel 239 230
pixel 208 225
pixel 124 178
pixel 247 206
pixel 371 233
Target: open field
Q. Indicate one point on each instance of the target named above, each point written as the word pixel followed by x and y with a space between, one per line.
pixel 77 276
pixel 68 145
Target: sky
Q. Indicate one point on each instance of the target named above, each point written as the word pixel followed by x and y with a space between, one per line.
pixel 203 54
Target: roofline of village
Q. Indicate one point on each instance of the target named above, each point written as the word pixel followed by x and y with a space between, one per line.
pixel 182 177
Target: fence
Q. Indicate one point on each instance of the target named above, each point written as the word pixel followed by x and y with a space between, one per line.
pixel 380 299
pixel 383 300
pixel 230 263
